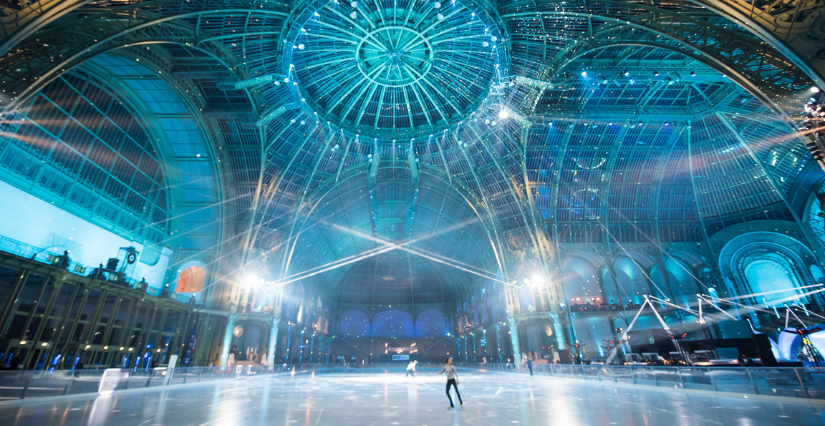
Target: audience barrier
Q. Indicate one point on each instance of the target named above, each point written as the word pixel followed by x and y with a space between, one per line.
pixel 19 384
pixel 794 382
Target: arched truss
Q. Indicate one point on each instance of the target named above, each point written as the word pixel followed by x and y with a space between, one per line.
pixel 84 33
pixel 22 23
pixel 475 155
pixel 751 62
pixel 303 217
pixel 685 27
pixel 795 27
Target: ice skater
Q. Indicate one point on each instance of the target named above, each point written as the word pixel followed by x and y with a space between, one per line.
pixel 411 369
pixel 452 380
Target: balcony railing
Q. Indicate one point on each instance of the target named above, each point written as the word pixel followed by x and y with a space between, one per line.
pixel 44 255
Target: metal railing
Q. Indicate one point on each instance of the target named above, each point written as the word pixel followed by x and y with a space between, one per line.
pixel 794 382
pixel 16 385
pixel 44 255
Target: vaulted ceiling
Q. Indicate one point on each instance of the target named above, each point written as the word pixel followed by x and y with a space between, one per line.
pixel 439 136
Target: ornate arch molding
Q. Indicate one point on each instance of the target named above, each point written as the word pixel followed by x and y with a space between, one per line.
pixel 733 255
pixel 596 262
pixel 32 65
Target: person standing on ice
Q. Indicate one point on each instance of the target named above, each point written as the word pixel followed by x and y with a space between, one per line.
pixel 411 369
pixel 452 380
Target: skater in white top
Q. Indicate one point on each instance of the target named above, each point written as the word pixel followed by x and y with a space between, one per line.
pixel 452 380
pixel 411 368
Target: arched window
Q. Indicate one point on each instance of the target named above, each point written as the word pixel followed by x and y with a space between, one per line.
pixel 430 323
pixel 581 283
pixel 392 323
pixel 771 272
pixel 355 324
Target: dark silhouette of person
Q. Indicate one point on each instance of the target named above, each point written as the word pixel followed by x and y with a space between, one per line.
pixel 14 364
pixel 64 261
pixel 530 365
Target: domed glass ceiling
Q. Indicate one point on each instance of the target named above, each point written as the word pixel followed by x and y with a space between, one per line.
pixel 405 69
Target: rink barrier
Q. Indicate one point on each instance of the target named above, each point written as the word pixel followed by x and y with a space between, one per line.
pixel 20 384
pixel 794 382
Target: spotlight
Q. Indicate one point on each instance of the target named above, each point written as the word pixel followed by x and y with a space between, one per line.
pixel 301 46
pixel 503 114
pixel 437 4
pixel 250 280
pixel 815 89
pixel 693 74
pixel 655 73
pixel 626 74
pixel 537 278
pixel 353 15
pixel 584 73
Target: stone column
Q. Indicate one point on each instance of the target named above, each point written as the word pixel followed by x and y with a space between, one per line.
pixel 273 339
pixel 514 340
pixel 227 340
pixel 557 329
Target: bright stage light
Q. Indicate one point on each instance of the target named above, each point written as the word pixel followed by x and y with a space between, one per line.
pixel 503 114
pixel 250 280
pixel 537 278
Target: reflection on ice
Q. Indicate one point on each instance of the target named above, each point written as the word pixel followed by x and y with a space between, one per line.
pixel 386 397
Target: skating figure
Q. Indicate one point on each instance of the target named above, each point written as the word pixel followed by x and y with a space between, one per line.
pixel 411 368
pixel 452 376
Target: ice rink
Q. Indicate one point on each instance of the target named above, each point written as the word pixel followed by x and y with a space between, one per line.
pixel 377 397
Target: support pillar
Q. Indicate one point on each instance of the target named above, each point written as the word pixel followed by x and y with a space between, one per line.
pixel 514 340
pixel 273 340
pixel 227 340
pixel 557 329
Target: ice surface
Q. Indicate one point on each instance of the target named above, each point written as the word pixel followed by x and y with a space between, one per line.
pixel 384 397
